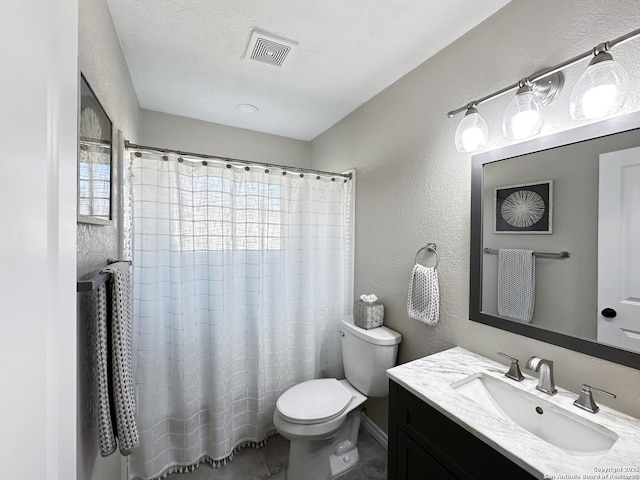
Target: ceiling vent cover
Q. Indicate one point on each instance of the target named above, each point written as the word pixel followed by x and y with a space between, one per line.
pixel 267 48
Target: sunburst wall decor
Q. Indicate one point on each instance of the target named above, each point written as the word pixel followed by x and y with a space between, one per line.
pixel 525 208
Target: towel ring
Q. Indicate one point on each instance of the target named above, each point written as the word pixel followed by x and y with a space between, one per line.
pixel 432 248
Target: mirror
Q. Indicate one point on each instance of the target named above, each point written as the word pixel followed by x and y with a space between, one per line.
pixel 544 195
pixel 94 159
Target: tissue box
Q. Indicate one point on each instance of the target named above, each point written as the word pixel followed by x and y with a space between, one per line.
pixel 368 315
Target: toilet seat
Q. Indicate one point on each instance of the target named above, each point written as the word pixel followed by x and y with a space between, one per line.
pixel 314 401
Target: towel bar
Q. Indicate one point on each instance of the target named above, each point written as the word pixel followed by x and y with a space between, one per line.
pixel 562 254
pixel 93 280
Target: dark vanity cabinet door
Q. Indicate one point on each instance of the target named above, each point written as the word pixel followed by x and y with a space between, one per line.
pixel 415 462
pixel 424 444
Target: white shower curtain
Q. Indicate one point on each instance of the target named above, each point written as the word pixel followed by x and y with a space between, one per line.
pixel 240 280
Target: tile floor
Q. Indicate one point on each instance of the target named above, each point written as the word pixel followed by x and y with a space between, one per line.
pixel 270 462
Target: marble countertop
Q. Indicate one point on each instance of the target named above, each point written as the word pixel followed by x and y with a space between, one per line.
pixel 430 379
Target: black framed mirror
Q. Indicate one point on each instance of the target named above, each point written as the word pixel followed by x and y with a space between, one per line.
pixel 565 169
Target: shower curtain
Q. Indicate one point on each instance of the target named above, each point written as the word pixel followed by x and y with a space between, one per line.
pixel 240 279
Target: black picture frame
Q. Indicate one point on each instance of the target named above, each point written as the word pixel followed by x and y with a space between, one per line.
pixel 524 209
pixel 95 159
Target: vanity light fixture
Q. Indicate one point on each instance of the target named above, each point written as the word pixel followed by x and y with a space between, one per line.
pixel 472 132
pixel 523 117
pixel 600 91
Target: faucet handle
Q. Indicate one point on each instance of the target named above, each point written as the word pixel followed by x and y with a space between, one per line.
pixel 585 399
pixel 514 369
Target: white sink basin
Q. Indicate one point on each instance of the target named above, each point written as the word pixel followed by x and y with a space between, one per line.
pixel 557 426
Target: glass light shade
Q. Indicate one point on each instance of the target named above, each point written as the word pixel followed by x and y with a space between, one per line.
pixel 523 116
pixel 601 90
pixel 472 132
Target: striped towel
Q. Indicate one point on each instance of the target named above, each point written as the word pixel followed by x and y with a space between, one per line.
pixel 516 284
pixel 116 388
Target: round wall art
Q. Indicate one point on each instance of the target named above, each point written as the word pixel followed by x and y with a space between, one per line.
pixel 524 208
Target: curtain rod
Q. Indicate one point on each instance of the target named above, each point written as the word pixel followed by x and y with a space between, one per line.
pixel 132 146
pixel 551 70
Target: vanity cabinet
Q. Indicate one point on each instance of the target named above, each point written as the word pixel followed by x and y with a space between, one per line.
pixel 425 444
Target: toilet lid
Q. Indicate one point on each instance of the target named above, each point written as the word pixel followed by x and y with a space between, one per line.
pixel 314 401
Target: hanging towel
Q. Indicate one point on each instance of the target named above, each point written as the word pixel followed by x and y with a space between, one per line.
pixel 516 284
pixel 423 303
pixel 114 345
pixel 106 436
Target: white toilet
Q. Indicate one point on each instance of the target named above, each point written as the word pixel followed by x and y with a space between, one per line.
pixel 321 417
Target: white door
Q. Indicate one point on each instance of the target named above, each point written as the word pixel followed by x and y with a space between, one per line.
pixel 619 249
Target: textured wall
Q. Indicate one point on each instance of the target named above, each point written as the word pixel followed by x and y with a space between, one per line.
pixel 413 187
pixel 197 136
pixel 104 67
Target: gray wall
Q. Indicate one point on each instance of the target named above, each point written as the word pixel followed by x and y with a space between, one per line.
pixel 413 187
pixel 103 65
pixel 197 136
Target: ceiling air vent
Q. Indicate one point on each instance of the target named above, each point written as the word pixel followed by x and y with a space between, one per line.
pixel 267 48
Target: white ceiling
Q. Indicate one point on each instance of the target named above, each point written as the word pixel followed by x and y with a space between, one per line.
pixel 186 57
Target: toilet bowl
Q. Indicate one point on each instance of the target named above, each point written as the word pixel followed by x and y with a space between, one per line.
pixel 321 417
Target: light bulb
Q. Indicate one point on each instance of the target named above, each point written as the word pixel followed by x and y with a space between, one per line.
pixel 596 101
pixel 523 116
pixel 472 132
pixel 601 90
pixel 522 123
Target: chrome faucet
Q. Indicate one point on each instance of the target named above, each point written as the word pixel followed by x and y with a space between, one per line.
pixel 545 380
pixel 514 369
pixel 585 400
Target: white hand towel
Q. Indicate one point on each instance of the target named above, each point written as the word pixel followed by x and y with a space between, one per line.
pixel 423 303
pixel 516 284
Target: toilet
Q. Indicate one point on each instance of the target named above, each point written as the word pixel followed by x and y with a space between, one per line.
pixel 321 417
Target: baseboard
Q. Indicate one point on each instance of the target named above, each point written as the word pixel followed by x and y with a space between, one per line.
pixel 375 431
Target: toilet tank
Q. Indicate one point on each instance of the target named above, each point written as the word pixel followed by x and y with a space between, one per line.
pixel 366 355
